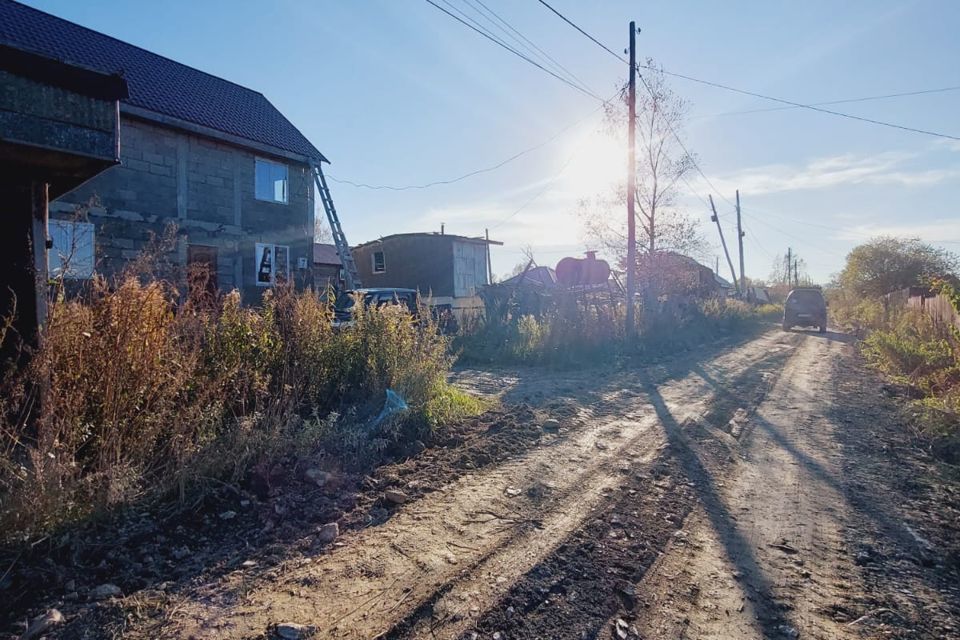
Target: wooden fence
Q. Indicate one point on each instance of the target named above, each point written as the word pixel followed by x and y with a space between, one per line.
pixel 936 305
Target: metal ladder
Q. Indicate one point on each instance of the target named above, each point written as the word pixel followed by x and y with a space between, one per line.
pixel 351 276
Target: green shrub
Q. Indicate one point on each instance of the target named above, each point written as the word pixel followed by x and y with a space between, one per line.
pixel 914 351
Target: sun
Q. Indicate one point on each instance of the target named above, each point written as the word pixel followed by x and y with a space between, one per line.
pixel 598 164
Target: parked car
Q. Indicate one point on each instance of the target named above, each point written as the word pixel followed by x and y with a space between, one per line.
pixel 344 305
pixel 805 307
pixel 442 314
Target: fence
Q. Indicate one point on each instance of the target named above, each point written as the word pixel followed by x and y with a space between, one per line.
pixel 937 306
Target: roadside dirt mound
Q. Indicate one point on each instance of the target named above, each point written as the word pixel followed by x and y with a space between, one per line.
pixel 904 530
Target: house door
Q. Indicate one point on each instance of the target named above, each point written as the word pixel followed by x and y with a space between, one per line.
pixel 202 270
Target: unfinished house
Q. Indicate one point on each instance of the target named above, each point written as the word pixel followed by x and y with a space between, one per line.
pixel 58 128
pixel 447 269
pixel 215 159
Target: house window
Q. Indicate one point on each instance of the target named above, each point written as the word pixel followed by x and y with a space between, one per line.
pixel 379 264
pixel 271 181
pixel 73 253
pixel 273 264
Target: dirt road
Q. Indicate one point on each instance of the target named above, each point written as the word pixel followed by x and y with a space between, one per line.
pixel 752 493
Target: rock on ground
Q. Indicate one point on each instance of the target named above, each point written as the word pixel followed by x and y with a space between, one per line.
pixel 42 624
pixel 105 591
pixel 395 496
pixel 328 532
pixel 294 631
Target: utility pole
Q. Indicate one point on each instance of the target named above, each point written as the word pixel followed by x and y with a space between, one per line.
pixel 632 185
pixel 486 234
pixel 740 234
pixel 796 272
pixel 789 264
pixel 716 218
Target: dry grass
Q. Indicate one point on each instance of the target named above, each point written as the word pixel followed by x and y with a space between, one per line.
pixel 572 333
pixel 137 394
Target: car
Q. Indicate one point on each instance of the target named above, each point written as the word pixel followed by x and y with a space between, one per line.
pixel 343 306
pixel 442 314
pixel 805 307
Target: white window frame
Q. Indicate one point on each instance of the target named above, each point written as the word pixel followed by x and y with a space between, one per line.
pixel 267 191
pixel 373 262
pixel 274 249
pixel 73 254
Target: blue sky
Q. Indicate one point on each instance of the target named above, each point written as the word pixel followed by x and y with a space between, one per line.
pixel 396 93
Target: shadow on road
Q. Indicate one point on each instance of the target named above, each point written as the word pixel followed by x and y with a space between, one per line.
pixel 833 336
pixel 739 550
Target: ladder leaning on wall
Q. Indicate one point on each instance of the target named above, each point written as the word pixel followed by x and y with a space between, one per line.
pixel 351 276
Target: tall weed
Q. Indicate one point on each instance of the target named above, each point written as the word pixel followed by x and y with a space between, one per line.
pixel 135 393
pixel 572 333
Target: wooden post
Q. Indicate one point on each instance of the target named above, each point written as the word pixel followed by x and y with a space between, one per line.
pixel 740 235
pixel 716 218
pixel 632 187
pixel 486 233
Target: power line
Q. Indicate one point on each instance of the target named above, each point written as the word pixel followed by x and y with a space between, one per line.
pixel 805 241
pixel 590 37
pixel 498 42
pixel 502 163
pixel 643 80
pixel 482 27
pixel 831 102
pixel 544 54
pixel 549 184
pixel 799 105
pixel 676 137
pixel 792 104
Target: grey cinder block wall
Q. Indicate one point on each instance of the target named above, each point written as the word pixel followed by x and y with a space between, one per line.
pixel 205 187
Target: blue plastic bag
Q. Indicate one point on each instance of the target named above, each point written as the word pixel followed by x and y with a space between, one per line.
pixel 394 404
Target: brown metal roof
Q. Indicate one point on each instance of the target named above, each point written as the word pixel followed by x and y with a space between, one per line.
pixel 325 254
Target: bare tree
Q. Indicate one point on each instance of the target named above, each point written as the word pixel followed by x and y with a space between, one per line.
pixel 662 165
pixel 321 230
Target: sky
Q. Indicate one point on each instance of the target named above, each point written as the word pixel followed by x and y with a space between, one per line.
pixel 396 93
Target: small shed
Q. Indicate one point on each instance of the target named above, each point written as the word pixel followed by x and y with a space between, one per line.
pixel 327 268
pixel 448 269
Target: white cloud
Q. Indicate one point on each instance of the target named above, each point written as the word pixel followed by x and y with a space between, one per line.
pixel 952 145
pixel 942 230
pixel 888 168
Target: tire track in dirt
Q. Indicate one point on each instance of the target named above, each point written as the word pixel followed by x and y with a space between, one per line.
pixel 763 556
pixel 572 592
pixel 456 552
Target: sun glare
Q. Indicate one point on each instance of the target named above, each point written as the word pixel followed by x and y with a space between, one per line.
pixel 598 164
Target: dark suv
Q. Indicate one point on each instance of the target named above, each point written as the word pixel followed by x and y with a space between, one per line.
pixel 805 307
pixel 343 307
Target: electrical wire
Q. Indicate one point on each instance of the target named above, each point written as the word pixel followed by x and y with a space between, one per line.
pixel 482 27
pixel 718 85
pixel 530 43
pixel 549 184
pixel 832 102
pixel 798 105
pixel 502 163
pixel 498 42
pixel 590 37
